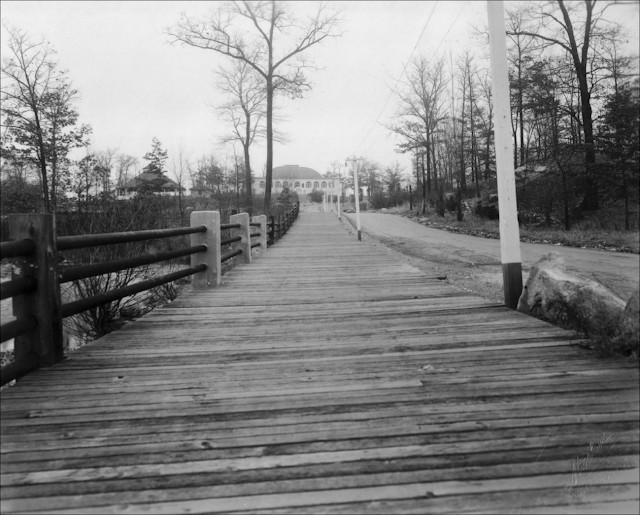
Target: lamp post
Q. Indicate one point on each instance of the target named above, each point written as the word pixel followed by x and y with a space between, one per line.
pixel 339 192
pixel 356 162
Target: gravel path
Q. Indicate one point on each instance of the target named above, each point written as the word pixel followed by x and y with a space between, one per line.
pixel 473 263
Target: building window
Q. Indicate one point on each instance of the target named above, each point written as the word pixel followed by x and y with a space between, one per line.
pixel 324 184
pixel 278 185
pixel 286 184
pixel 316 184
pixel 308 185
pixel 297 184
pixel 262 184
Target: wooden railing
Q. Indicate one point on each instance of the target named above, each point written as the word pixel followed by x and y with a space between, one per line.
pixel 280 221
pixel 35 288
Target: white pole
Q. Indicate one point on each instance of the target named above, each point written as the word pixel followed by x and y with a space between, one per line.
pixel 507 202
pixel 330 199
pixel 357 198
pixel 339 195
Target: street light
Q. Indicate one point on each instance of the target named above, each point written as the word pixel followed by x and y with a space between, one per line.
pixel 357 191
pixel 339 192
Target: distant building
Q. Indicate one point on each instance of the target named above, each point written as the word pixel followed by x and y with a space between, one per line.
pixel 301 179
pixel 149 180
pixel 201 192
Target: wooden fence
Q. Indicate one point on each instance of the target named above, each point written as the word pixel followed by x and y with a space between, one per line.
pixel 36 279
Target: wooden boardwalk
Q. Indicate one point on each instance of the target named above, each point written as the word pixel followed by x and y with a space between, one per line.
pixel 326 377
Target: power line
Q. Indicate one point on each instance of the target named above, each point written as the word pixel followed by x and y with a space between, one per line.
pixel 450 27
pixel 414 48
pixel 424 27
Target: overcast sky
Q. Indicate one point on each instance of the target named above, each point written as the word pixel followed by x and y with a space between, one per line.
pixel 134 85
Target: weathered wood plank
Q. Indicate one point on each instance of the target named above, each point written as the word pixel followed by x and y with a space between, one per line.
pixel 327 376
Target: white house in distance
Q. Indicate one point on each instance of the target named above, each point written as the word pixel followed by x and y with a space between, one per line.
pixel 301 179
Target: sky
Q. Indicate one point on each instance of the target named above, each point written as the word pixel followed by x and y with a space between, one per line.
pixel 134 85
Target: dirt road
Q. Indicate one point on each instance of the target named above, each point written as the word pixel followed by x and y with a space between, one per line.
pixel 473 263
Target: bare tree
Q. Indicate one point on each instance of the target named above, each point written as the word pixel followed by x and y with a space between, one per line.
pixel 37 107
pixel 126 167
pixel 576 30
pixel 420 112
pixel 245 110
pixel 181 169
pixel 226 33
pixel 105 161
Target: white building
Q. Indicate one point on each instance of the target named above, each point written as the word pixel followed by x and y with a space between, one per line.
pixel 297 178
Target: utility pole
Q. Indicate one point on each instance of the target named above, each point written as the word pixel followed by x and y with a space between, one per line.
pixel 355 164
pixel 339 193
pixel 507 202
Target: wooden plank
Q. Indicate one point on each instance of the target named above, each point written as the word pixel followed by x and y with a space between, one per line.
pixel 348 394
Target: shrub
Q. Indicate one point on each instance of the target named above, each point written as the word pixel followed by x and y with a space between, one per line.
pixel 316 196
pixel 485 210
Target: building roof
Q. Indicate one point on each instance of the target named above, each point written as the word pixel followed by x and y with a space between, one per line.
pixel 147 176
pixel 289 172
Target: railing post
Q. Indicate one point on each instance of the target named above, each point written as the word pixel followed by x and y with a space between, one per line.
pixel 46 340
pixel 262 220
pixel 279 222
pixel 272 229
pixel 244 232
pixel 210 278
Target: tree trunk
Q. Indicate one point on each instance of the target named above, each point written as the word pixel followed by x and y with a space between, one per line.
pixel 424 188
pixel 428 148
pixel 43 165
pixel 269 172
pixel 520 107
pixel 590 200
pixel 625 189
pixel 247 164
pixel 462 179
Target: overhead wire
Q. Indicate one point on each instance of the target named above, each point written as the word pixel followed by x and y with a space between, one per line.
pixel 405 67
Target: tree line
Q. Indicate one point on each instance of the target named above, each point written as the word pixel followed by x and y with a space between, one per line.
pixel 574 103
pixel 263 48
pixel 574 100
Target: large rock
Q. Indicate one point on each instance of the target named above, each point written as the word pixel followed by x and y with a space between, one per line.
pixel 582 304
pixel 631 317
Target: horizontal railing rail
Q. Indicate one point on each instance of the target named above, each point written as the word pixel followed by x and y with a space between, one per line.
pixel 17 327
pixel 93 240
pixel 37 305
pixel 78 306
pixel 16 287
pixel 10 249
pixel 76 273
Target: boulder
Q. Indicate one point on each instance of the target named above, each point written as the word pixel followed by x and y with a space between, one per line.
pixel 630 321
pixel 569 301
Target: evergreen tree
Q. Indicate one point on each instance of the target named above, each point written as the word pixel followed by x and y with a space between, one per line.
pixel 155 178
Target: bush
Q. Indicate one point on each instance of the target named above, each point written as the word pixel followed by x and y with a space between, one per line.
pixel 451 202
pixel 287 197
pixel 315 196
pixel 485 210
pixel 18 196
pixel 380 200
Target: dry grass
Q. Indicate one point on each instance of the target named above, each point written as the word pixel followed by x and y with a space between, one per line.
pixel 601 232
